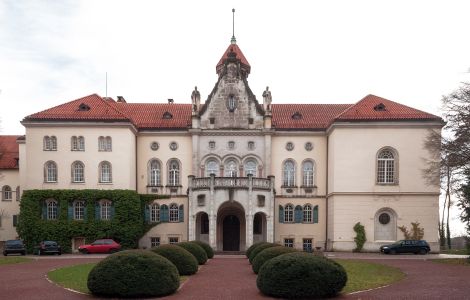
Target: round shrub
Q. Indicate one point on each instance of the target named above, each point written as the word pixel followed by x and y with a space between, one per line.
pixel 248 251
pixel 258 249
pixel 184 261
pixel 267 254
pixel 206 247
pixel 195 250
pixel 301 275
pixel 133 273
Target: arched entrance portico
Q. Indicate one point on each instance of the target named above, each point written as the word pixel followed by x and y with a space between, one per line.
pixel 231 227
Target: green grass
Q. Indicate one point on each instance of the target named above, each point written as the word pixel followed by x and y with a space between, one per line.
pixel 75 277
pixel 455 251
pixel 365 275
pixel 453 261
pixel 13 260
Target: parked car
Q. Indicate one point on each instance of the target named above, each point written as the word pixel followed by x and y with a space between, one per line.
pixel 100 246
pixel 14 246
pixel 406 246
pixel 48 247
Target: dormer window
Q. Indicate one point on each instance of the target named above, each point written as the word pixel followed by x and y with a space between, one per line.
pixel 167 115
pixel 231 103
pixel 83 107
pixel 380 107
pixel 297 116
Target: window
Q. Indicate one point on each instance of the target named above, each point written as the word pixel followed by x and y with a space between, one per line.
pixel 105 210
pixel 250 168
pixel 51 213
pixel 384 218
pixel 385 167
pixel 231 168
pixel 174 213
pixel 290 146
pixel 307 245
pixel 289 243
pixel 154 173
pixel 79 210
pixel 155 213
pixel 78 172
pixel 173 172
pixel 50 143
pixel 251 145
pixel 258 224
pixel 50 172
pixel 173 240
pixel 105 143
pixel 105 172
pixel 78 143
pixel 289 213
pixel 289 174
pixel 308 146
pixel 212 167
pixel 307 174
pixel 18 193
pixel 6 193
pixel 204 223
pixel 231 103
pixel 307 215
pixel 212 145
pixel 154 241
pixel 154 146
pixel 173 146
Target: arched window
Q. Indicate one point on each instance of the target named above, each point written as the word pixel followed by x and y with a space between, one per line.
pixel 173 172
pixel 109 143
pixel 289 173
pixel 307 213
pixel 50 171
pixel 79 210
pixel 105 143
pixel 78 143
pixel 105 172
pixel 50 143
pixel 105 210
pixel 51 210
pixel 6 193
pixel 386 167
pixel 46 143
pixel 53 143
pixel 289 213
pixel 231 168
pixel 250 167
pixel 154 173
pixel 212 167
pixel 174 213
pixel 307 174
pixel 78 172
pixel 155 213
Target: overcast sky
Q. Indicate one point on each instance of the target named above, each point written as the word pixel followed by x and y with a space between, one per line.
pixel 52 52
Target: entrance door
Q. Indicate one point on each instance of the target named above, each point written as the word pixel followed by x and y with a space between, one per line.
pixel 231 233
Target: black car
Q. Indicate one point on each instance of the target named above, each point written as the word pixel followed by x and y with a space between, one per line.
pixel 406 246
pixel 48 247
pixel 14 246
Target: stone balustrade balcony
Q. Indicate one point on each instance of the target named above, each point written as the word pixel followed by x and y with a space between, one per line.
pixel 213 182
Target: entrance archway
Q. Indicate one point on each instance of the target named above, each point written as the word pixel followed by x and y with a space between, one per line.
pixel 231 227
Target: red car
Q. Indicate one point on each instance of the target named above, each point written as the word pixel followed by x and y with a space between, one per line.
pixel 100 246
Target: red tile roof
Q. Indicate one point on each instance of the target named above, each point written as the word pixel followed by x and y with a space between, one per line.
pixel 240 56
pixel 374 108
pixel 305 116
pixel 9 152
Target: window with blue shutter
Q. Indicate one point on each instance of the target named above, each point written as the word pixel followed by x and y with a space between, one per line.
pixel 97 211
pixel 44 210
pixel 15 220
pixel 281 214
pixel 315 214
pixel 147 214
pixel 164 216
pixel 298 214
pixel 85 212
pixel 112 210
pixel 70 211
pixel 181 213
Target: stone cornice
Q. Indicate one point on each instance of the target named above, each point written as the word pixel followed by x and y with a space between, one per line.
pixel 383 194
pixel 385 124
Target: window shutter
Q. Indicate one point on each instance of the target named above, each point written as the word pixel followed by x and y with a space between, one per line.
pixel 164 213
pixel 15 220
pixel 281 214
pixel 298 214
pixel 97 211
pixel 44 210
pixel 112 210
pixel 147 214
pixel 70 211
pixel 85 211
pixel 181 213
pixel 315 214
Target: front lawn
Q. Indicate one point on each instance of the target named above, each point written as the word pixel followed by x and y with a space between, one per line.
pixel 453 261
pixel 13 260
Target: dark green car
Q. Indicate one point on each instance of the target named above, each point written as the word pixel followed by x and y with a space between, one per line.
pixel 14 246
pixel 406 246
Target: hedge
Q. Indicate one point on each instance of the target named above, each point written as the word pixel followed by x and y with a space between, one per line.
pixel 268 254
pixel 206 247
pixel 252 247
pixel 184 261
pixel 260 248
pixel 195 250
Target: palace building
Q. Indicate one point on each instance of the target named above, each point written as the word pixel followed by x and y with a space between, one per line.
pixel 238 170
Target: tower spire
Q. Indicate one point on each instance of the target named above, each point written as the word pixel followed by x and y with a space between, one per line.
pixel 233 40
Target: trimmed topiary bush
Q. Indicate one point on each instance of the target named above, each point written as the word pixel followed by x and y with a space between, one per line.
pixel 206 247
pixel 195 250
pixel 301 275
pixel 184 261
pixel 258 249
pixel 267 254
pixel 252 247
pixel 133 273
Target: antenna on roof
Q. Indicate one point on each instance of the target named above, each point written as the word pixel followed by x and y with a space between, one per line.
pixel 234 40
pixel 106 84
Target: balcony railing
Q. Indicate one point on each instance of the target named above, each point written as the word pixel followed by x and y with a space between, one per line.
pixel 202 183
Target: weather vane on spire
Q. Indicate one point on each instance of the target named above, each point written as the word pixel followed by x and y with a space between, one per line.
pixel 234 40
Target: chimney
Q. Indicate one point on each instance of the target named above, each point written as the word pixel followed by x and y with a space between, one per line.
pixel 121 99
pixel 170 101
